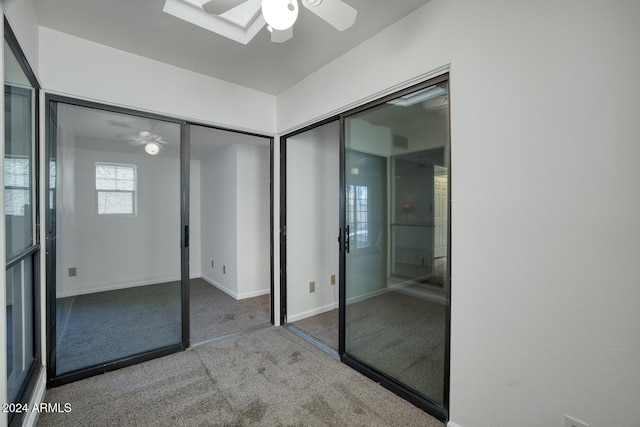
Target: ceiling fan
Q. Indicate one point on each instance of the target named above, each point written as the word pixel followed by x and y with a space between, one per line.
pixel 280 15
pixel 152 142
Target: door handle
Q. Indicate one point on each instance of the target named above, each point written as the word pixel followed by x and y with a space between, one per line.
pixel 347 241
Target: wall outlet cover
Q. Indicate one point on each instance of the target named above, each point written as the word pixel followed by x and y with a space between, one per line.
pixel 312 287
pixel 73 272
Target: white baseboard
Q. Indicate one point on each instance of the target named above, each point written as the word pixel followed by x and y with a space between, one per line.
pixel 450 424
pixel 233 294
pixel 312 312
pixel 367 295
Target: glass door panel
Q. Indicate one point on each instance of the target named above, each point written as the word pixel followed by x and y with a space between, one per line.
pixel 396 269
pixel 115 195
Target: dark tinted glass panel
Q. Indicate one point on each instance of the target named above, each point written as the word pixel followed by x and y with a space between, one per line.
pixel 396 191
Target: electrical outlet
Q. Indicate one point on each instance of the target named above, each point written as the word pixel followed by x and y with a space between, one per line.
pixel 73 272
pixel 224 269
pixel 312 287
pixel 211 263
pixel 333 279
pixel 572 422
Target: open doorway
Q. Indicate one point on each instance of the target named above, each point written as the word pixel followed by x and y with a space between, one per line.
pixel 229 248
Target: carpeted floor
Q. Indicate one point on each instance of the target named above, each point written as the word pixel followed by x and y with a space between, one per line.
pixel 266 377
pixel 323 327
pixel 106 326
pixel 215 314
pixel 400 333
pixel 102 327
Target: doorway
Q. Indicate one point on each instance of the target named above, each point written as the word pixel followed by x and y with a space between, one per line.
pixel 229 225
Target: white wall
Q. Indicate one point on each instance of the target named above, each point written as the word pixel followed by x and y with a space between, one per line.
pixel 313 163
pixel 24 23
pixel 113 251
pixel 235 220
pixel 80 68
pixel 253 220
pixel 219 227
pixel 545 178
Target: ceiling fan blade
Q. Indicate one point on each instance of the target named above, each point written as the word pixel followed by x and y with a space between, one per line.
pixel 218 7
pixel 335 12
pixel 281 36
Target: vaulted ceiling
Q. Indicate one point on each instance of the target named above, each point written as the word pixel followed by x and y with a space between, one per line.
pixel 141 27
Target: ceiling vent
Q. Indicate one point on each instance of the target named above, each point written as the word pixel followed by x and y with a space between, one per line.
pixel 400 141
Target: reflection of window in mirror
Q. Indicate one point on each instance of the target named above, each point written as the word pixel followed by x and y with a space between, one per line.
pixel 16 185
pixel 358 220
pixel 116 189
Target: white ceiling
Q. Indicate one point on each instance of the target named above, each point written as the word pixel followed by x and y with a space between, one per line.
pixel 142 28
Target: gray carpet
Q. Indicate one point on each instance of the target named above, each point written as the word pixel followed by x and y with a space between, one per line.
pixel 215 314
pixel 402 335
pixel 323 327
pixel 96 328
pixel 267 377
pixel 102 327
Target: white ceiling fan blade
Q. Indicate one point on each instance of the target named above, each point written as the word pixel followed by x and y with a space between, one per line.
pixel 335 12
pixel 218 7
pixel 281 36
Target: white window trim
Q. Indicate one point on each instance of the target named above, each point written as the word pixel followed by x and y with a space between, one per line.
pixel 134 192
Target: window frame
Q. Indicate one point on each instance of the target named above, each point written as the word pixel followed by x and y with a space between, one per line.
pixel 134 192
pixel 32 253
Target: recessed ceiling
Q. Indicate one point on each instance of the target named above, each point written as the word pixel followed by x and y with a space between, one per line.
pixel 142 28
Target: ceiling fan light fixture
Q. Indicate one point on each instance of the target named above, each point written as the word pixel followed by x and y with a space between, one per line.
pixel 280 14
pixel 152 148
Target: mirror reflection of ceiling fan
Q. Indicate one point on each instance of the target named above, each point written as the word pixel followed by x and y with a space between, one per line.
pixel 152 143
pixel 280 15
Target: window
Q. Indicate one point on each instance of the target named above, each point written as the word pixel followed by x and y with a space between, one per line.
pixel 16 184
pixel 21 218
pixel 358 219
pixel 116 189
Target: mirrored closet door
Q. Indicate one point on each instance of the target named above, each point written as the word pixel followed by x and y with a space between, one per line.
pixel 115 236
pixel 395 232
